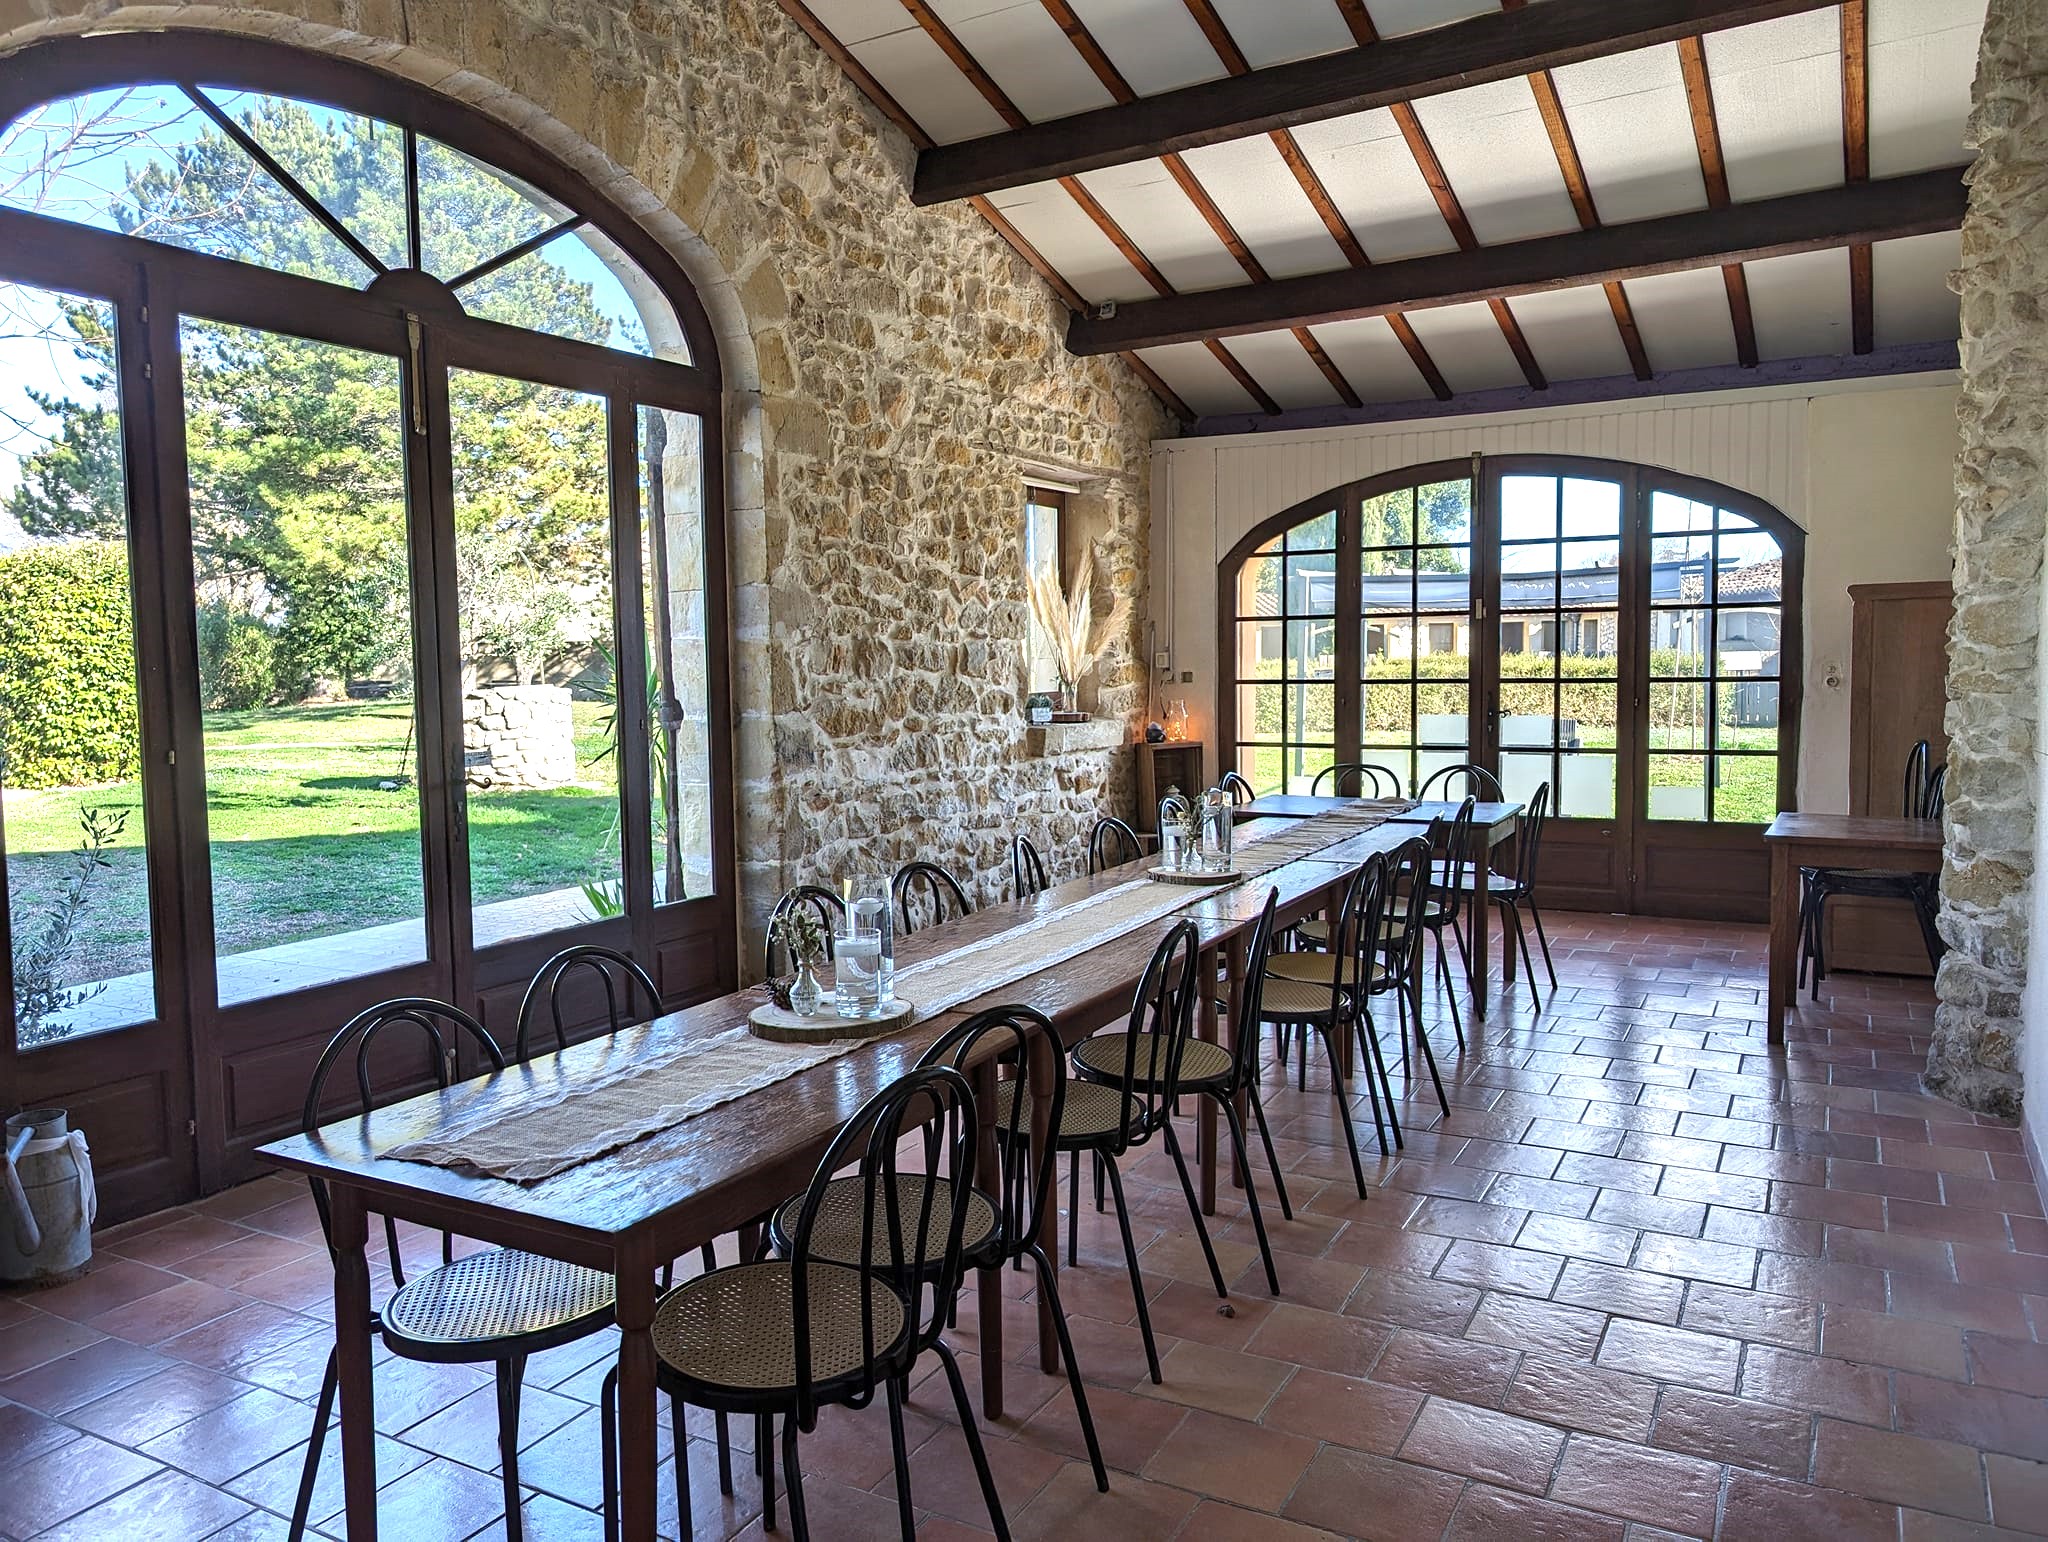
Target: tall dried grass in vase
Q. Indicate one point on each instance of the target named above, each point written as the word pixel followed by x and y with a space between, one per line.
pixel 1068 619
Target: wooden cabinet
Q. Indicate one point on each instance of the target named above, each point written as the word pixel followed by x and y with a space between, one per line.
pixel 1898 690
pixel 1162 768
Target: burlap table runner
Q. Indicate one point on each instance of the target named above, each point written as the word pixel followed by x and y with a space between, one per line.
pixel 568 1123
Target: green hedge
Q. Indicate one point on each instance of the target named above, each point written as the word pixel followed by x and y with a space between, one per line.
pixel 67 666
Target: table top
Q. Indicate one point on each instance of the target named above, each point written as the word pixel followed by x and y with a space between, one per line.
pixel 1856 830
pixel 719 1169
pixel 1293 805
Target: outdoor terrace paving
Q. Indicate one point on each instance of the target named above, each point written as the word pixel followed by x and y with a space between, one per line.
pixel 1646 1280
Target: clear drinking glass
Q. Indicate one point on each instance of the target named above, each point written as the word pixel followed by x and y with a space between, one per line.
pixel 857 968
pixel 868 903
pixel 1169 848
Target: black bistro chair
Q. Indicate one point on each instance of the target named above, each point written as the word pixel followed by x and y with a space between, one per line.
pixel 494 1307
pixel 1240 790
pixel 1411 878
pixel 1516 891
pixel 787 1337
pixel 1479 783
pixel 927 895
pixel 1027 869
pixel 1112 843
pixel 827 905
pixel 618 975
pixel 1356 779
pixel 1450 889
pixel 1924 796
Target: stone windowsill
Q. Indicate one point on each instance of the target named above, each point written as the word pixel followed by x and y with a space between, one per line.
pixel 1097 734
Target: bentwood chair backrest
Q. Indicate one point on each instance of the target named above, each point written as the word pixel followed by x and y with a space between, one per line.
pixel 1027 868
pixel 1357 779
pixel 1027 1047
pixel 1914 794
pixel 1406 900
pixel 935 893
pixel 824 903
pixel 1531 839
pixel 1935 799
pixel 1164 1005
pixel 441 1030
pixel 1459 852
pixel 1240 790
pixel 900 1221
pixel 615 971
pixel 1112 843
pixel 1479 782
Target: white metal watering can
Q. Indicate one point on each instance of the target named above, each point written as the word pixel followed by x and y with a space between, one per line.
pixel 50 1202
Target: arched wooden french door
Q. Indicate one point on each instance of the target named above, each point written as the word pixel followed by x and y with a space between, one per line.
pixel 1626 634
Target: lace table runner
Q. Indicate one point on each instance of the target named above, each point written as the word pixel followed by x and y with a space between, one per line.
pixel 568 1123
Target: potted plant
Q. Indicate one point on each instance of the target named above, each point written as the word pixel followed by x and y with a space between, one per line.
pixel 1068 620
pixel 801 935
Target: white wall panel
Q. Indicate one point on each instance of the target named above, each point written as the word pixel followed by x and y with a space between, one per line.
pixel 1572 333
pixel 1467 345
pixel 1270 33
pixel 1684 319
pixel 1923 56
pixel 1372 177
pixel 925 82
pixel 1909 288
pixel 1198 378
pixel 1280 364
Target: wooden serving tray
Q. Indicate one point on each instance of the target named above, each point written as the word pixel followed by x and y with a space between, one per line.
pixel 1164 875
pixel 768 1021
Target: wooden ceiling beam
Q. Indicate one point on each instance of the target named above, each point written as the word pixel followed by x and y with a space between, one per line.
pixel 1856 166
pixel 1494 46
pixel 1772 227
pixel 1706 133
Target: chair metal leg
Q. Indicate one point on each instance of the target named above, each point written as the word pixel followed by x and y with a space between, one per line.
pixel 972 1431
pixel 793 1477
pixel 1428 1055
pixel 1343 1108
pixel 1048 1284
pixel 1073 1210
pixel 1187 1187
pixel 1098 1183
pixel 724 1452
pixel 608 1437
pixel 1123 1221
pixel 764 1458
pixel 509 1371
pixel 323 1410
pixel 1522 942
pixel 1379 1061
pixel 1266 1138
pixel 1368 1051
pixel 899 1451
pixel 1536 916
pixel 679 1437
pixel 1820 956
pixel 1443 968
pixel 1251 1191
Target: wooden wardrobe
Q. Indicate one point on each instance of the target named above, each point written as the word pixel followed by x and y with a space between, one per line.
pixel 1898 690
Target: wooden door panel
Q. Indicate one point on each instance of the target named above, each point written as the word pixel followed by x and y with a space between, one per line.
pixel 1583 866
pixel 1875 935
pixel 1702 872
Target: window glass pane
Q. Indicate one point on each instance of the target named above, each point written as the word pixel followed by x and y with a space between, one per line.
pixel 1316 534
pixel 1591 636
pixel 580 285
pixel 1259 586
pixel 1747 641
pixel 1678 642
pixel 678 689
pixel 1311 650
pixel 1429 762
pixel 1585 785
pixel 1312 713
pixel 470 212
pixel 1528 577
pixel 1388 519
pixel 1672 515
pixel 1590 574
pixel 1528 712
pixel 1591 508
pixel 1312 585
pixel 1387 580
pixel 1042 513
pixel 1522 772
pixel 1261 647
pixel 1745 789
pixel 354 166
pixel 145 161
pixel 1262 766
pixel 1528 508
pixel 533 580
pixel 1678 786
pixel 1389 643
pixel 1260 710
pixel 1389 714
pixel 1747 716
pixel 1678 717
pixel 1751 568
pixel 1442 714
pixel 1301 764
pixel 77 892
pixel 1443 582
pixel 294 452
pixel 1445 513
pixel 1587 712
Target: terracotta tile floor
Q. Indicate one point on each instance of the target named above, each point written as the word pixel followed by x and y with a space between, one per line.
pixel 1646 1280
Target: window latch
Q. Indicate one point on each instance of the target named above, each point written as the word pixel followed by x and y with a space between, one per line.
pixel 419 379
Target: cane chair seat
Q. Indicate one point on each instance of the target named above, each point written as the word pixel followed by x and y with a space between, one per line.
pixel 1289 1001
pixel 734 1329
pixel 1090 1111
pixel 1317 969
pixel 1315 929
pixel 489 1297
pixel 1104 1055
pixel 836 1234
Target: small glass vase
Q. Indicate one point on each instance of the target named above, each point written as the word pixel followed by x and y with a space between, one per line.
pixel 806 994
pixel 1069 698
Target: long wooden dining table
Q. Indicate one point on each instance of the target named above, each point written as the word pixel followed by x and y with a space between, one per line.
pixel 630 1211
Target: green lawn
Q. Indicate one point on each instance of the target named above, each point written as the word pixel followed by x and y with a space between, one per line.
pixel 306 843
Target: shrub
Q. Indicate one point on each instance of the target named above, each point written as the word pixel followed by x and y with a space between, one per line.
pixel 237 660
pixel 67 666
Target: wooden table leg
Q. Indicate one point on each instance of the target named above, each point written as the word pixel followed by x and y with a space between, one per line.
pixel 989 1282
pixel 1784 939
pixel 1207 1027
pixel 352 1358
pixel 637 1452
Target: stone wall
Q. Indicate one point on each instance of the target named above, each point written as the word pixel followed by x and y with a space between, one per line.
pixel 518 736
pixel 890 372
pixel 1994 777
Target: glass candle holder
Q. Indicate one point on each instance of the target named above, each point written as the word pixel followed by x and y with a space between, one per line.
pixel 857 968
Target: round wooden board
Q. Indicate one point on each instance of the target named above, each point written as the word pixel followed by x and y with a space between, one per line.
pixel 1164 875
pixel 768 1021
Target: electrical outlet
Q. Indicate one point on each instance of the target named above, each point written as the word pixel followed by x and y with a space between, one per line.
pixel 1187 677
pixel 1162 660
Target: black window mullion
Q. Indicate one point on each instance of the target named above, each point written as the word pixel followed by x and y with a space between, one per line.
pixel 629 679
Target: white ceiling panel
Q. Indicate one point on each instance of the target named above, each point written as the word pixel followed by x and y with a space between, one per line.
pixel 1165 224
pixel 1497 155
pixel 1684 319
pixel 1280 364
pixel 1801 304
pixel 1364 164
pixel 1778 100
pixel 1633 132
pixel 855 21
pixel 1572 333
pixel 942 100
pixel 1154 43
pixel 1909 288
pixel 1372 359
pixel 1268 33
pixel 1467 345
pixel 1035 63
pixel 1266 206
pixel 1067 238
pixel 1394 17
pixel 1923 57
pixel 1198 378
